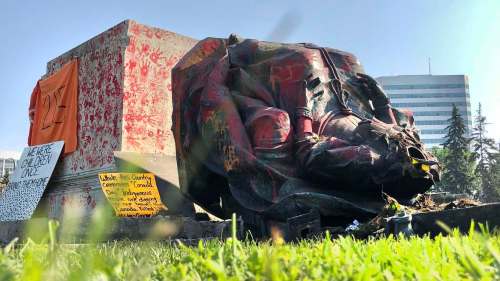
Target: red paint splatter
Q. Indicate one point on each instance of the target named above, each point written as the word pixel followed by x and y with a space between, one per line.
pixel 131 65
pixel 145 69
pixel 122 92
pixel 155 56
pixel 131 45
pixel 148 32
pixel 145 48
pixel 135 29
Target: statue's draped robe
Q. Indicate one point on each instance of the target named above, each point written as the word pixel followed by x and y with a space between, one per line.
pixel 274 121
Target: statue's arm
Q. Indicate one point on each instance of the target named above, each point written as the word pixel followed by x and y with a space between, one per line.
pixel 380 100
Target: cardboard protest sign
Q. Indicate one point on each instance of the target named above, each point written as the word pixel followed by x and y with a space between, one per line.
pixel 29 180
pixel 132 194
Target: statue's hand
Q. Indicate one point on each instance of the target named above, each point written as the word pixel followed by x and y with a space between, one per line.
pixel 375 92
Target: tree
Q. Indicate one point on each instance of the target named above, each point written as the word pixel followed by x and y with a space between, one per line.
pixel 455 138
pixel 458 173
pixel 485 150
pixel 495 179
pixel 441 154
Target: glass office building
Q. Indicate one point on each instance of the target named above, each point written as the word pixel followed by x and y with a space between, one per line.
pixel 430 98
pixel 8 162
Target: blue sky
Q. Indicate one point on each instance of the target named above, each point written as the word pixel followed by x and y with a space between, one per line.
pixel 389 37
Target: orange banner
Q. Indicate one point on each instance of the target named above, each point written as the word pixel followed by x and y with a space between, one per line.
pixel 54 108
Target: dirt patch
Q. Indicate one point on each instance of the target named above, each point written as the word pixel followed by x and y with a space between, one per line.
pixel 424 203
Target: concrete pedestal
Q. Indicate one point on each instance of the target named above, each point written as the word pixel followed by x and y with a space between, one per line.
pixel 124 105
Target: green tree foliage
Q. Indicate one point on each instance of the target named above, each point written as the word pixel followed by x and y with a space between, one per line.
pixel 440 154
pixel 458 162
pixel 485 152
pixel 495 178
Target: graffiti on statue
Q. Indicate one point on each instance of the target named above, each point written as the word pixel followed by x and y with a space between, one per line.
pixel 29 180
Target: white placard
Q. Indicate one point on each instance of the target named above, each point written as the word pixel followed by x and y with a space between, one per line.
pixel 28 182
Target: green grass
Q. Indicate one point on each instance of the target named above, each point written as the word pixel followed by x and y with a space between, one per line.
pixel 475 256
pixel 456 257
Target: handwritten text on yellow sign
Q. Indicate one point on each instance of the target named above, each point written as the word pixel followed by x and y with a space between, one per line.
pixel 132 194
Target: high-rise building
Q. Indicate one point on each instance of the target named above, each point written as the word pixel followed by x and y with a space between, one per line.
pixel 8 162
pixel 430 98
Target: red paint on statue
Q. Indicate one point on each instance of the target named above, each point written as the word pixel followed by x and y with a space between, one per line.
pixel 124 89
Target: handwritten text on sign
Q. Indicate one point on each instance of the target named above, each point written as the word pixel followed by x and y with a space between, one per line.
pixel 132 194
pixel 27 184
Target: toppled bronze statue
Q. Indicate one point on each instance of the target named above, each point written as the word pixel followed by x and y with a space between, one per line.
pixel 276 132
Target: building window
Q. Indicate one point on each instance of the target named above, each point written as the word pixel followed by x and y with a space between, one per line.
pixel 432 122
pixel 429 95
pixel 7 166
pixel 427 104
pixel 424 86
pixel 433 141
pixel 433 132
pixel 440 113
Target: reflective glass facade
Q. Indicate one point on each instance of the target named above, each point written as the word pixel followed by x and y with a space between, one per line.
pixel 7 166
pixel 430 98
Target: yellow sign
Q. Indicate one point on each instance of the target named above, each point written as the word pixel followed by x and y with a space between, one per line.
pixel 132 194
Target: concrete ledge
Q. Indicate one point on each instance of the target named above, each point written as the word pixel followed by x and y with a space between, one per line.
pixel 426 223
pixel 82 230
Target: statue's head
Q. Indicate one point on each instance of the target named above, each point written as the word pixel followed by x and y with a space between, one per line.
pixel 406 167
